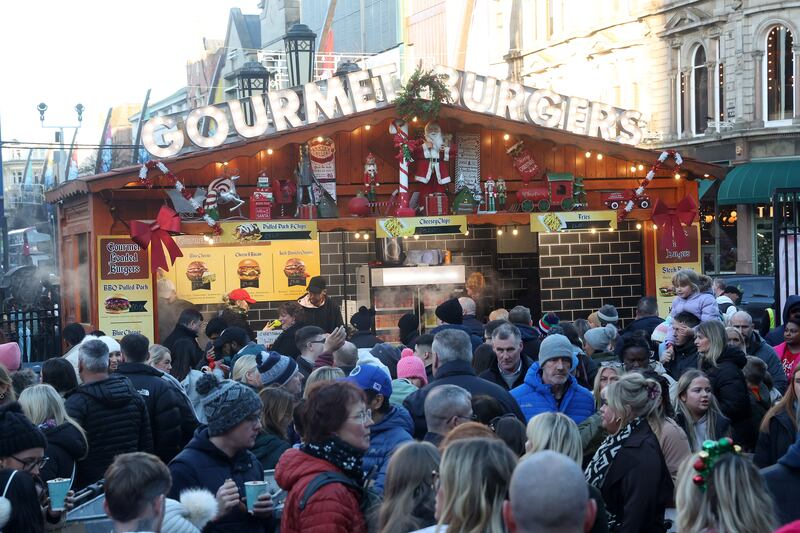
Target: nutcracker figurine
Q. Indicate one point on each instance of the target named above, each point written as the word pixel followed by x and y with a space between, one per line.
pixel 491 196
pixel 371 182
pixel 501 194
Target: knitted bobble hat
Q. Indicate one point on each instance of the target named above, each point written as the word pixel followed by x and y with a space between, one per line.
pixel 225 403
pixel 548 321
pixel 17 433
pixel 275 369
pixel 411 366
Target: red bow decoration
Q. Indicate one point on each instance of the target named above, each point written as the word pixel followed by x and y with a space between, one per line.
pixel 672 220
pixel 157 233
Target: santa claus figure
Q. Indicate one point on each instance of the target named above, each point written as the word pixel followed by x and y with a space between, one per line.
pixel 433 158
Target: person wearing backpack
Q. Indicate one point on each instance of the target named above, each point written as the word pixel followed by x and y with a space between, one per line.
pixel 324 478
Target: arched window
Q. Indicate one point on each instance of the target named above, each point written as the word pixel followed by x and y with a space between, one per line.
pixel 699 92
pixel 779 73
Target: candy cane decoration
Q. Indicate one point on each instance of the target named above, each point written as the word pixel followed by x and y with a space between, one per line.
pixel 180 187
pixel 639 191
pixel 405 147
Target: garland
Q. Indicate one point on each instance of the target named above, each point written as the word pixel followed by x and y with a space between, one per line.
pixel 635 194
pixel 410 103
pixel 173 180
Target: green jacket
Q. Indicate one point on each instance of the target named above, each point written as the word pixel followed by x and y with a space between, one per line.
pixel 269 448
pixel 401 389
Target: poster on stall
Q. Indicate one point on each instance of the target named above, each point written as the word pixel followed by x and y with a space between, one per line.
pixel 573 221
pixel 408 227
pixel 670 260
pixel 322 152
pixel 124 288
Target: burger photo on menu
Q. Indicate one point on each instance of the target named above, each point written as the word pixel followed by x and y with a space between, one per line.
pixel 249 270
pixel 117 304
pixel 295 271
pixel 197 272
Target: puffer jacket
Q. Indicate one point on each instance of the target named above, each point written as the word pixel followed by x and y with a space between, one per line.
pixel 730 389
pixel 65 446
pixel 268 449
pixel 703 305
pixel 334 508
pixel 534 397
pixel 203 465
pixel 385 436
pixel 761 349
pixel 773 444
pixel 172 418
pixel 782 480
pixel 116 421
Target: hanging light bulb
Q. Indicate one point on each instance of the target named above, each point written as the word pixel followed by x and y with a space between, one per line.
pixel 655 226
pixel 499 231
pixel 357 235
pixel 592 230
pixel 638 226
pixel 677 176
pixel 640 167
pixel 515 231
pixel 270 151
pixel 633 168
pixel 610 229
pixel 599 157
pixel 466 233
pixel 588 154
pixel 366 236
pixel 368 127
pixel 414 119
pixel 416 237
pixel 506 137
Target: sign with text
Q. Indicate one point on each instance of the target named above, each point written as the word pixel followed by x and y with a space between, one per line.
pixel 245 232
pixel 573 221
pixel 669 260
pixel 125 290
pixel 408 227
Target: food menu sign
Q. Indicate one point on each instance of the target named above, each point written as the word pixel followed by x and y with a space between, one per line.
pixel 125 290
pixel 408 227
pixel 555 222
pixel 669 260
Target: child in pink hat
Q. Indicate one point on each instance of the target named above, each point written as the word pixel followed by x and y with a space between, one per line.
pixel 410 377
pixel 10 356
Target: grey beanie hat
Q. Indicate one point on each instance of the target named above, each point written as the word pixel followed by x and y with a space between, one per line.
pixel 553 347
pixel 275 369
pixel 598 338
pixel 226 403
pixel 608 313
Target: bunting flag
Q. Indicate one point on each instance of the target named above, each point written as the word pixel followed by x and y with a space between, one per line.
pixel 27 175
pixel 72 173
pixel 48 176
pixel 104 153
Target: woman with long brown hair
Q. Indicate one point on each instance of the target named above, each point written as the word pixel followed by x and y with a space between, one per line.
pixel 779 427
pixel 409 494
pixel 276 415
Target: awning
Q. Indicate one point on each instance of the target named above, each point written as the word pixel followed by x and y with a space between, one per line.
pixel 703 186
pixel 753 183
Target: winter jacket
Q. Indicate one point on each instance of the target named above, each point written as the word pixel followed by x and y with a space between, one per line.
pixel 637 487
pixel 203 465
pixel 703 305
pixel 474 339
pixel 334 508
pixel 401 389
pixel 475 326
pixel 182 344
pixel 787 358
pixel 285 343
pixel 268 449
pixel 115 419
pixel 530 340
pixel 168 315
pixel 172 419
pixel 458 373
pixel 646 324
pixel 773 444
pixel 327 316
pixel 385 436
pixel 234 317
pixel 730 389
pixel 722 428
pixel 775 336
pixel 189 385
pixel 494 375
pixel 65 446
pixel 726 308
pixel 674 445
pixel 683 358
pixel 783 482
pixel 364 339
pixel 534 397
pixel 761 349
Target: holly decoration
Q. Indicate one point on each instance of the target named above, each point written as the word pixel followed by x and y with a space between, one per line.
pixel 410 101
pixel 712 452
pixel 635 194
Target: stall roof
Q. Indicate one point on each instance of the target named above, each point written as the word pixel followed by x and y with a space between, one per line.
pixel 120 177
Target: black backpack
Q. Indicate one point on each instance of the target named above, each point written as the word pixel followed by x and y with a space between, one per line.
pixel 369 500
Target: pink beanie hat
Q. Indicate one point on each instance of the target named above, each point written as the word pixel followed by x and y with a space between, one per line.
pixel 411 366
pixel 10 356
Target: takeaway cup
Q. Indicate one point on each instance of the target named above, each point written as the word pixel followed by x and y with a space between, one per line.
pixel 57 490
pixel 252 490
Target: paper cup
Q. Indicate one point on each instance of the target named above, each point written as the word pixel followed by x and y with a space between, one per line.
pixel 57 490
pixel 252 490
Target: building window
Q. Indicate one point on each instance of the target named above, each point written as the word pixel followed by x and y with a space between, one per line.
pixel 718 238
pixel 779 74
pixel 699 92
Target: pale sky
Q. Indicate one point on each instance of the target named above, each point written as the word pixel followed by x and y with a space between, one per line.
pixel 99 53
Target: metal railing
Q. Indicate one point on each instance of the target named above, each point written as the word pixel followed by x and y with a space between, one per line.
pixel 19 195
pixel 324 65
pixel 37 331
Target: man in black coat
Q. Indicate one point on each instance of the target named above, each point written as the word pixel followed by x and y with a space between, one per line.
pixel 682 354
pixel 182 342
pixel 646 320
pixel 172 418
pixel 520 316
pixel 453 352
pixel 111 412
pixel 509 366
pixel 320 310
pixel 783 481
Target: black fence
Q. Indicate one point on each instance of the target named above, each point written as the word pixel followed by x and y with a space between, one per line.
pixel 37 331
pixel 786 234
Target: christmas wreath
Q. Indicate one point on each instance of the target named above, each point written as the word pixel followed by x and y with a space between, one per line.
pixel 422 96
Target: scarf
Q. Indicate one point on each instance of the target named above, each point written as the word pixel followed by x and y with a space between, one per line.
pixel 343 456
pixel 603 458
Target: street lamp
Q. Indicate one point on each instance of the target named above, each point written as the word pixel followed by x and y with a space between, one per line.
pixel 300 45
pixel 252 81
pixel 79 109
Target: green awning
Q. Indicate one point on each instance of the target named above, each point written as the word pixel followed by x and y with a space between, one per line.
pixel 703 186
pixel 753 183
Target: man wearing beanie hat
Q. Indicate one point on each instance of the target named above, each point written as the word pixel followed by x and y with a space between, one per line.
pixel 608 315
pixel 409 329
pixel 546 322
pixel 362 320
pixel 451 314
pixel 549 386
pixel 411 376
pixel 277 370
pixel 218 458
pixel 392 425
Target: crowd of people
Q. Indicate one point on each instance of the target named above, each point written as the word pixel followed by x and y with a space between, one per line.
pixel 491 422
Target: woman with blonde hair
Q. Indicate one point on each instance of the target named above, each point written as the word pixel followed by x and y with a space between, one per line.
pixel 629 467
pixel 728 495
pixel 323 373
pixel 697 411
pixel 160 358
pixel 734 337
pixel 276 416
pixel 7 394
pixel 409 493
pixel 592 432
pixel 779 427
pixel 473 484
pixel 245 371
pixel 66 439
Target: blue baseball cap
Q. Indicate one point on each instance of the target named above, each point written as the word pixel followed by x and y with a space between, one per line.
pixel 371 377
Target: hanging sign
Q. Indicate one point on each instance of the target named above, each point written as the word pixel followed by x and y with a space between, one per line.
pixel 124 287
pixel 670 258
pixel 573 221
pixel 408 227
pixel 256 231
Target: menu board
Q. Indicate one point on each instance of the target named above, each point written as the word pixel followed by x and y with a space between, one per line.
pixel 669 260
pixel 468 157
pixel 269 270
pixel 124 287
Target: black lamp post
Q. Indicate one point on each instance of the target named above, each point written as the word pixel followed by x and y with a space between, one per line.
pixel 300 44
pixel 252 81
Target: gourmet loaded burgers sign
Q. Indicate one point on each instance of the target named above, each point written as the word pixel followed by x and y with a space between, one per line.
pixel 124 289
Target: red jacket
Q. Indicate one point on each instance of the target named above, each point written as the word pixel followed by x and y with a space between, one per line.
pixel 334 508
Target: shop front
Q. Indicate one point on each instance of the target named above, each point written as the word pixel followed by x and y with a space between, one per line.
pixel 394 215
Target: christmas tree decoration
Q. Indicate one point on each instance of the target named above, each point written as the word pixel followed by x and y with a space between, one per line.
pixel 464 201
pixel 422 96
pixel 633 196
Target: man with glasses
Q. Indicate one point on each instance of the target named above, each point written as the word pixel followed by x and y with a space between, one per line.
pixel 757 346
pixel 446 407
pixel 314 343
pixel 182 341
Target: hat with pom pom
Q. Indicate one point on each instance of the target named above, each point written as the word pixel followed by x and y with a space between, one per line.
pixel 196 508
pixel 225 403
pixel 411 366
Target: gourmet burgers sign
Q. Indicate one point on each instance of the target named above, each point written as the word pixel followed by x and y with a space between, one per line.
pixel 364 90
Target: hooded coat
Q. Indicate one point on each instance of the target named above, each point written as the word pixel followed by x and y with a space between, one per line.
pixel 773 444
pixel 683 358
pixel 535 397
pixel 268 449
pixel 730 389
pixel 65 446
pixel 182 344
pixel 530 341
pixel 775 336
pixel 385 436
pixel 701 304
pixel 334 508
pixel 783 481
pixel 115 419
pixel 327 316
pixel 761 349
